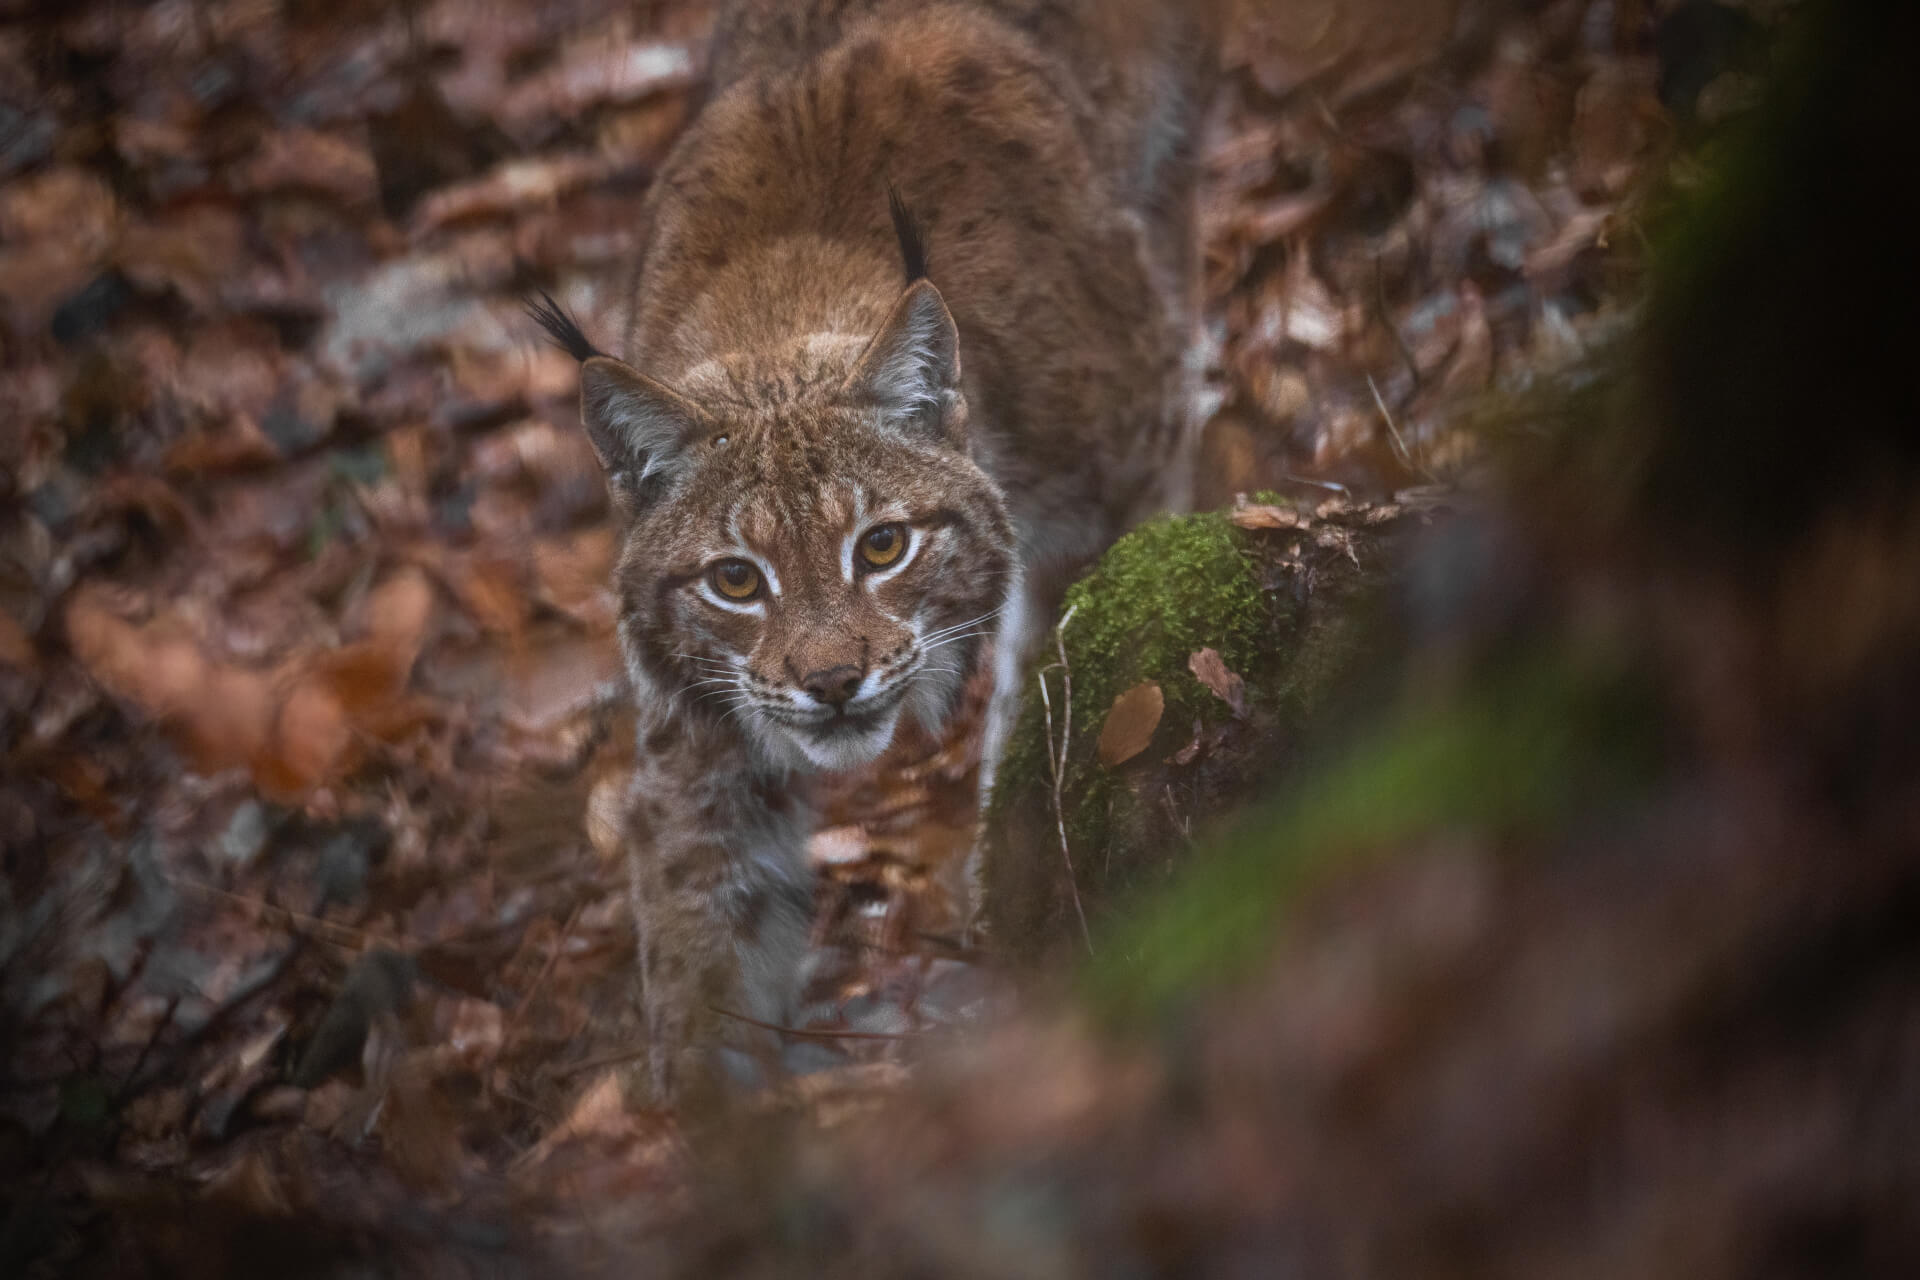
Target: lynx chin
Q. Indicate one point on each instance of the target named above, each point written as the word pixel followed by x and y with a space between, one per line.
pixel 904 351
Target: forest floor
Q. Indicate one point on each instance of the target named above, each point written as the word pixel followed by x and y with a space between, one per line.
pixel 310 707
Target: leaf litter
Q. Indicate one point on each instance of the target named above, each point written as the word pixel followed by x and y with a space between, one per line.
pixel 313 725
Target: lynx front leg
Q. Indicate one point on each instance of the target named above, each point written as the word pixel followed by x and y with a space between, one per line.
pixel 686 960
pixel 721 898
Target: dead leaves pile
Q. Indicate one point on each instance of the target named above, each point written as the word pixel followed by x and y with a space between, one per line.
pixel 306 650
pixel 293 726
pixel 1447 202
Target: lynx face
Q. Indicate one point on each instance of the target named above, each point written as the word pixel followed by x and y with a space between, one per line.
pixel 816 611
pixel 809 551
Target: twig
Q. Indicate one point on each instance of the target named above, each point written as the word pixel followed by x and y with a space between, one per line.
pixel 358 939
pixel 169 1068
pixel 613 1058
pixel 1399 445
pixel 1332 485
pixel 1380 313
pixel 616 1056
pixel 125 1091
pixel 822 1033
pixel 523 1101
pixel 546 970
pixel 1056 765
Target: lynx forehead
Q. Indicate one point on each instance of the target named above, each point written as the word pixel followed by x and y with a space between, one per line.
pixel 850 446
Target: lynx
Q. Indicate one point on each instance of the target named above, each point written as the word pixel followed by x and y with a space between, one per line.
pixel 904 351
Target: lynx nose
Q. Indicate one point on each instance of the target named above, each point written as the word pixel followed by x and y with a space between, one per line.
pixel 834 685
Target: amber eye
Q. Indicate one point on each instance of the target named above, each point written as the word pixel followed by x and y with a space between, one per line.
pixel 883 545
pixel 735 579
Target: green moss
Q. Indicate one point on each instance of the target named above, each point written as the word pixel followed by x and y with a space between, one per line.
pixel 1526 748
pixel 1167 589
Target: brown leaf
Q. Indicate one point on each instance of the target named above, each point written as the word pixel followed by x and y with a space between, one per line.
pixel 572 573
pixel 1191 752
pixel 195 252
pixel 309 160
pixel 1472 366
pixel 1616 118
pixel 606 817
pixel 398 611
pixel 589 75
pixel 312 739
pixel 1260 515
pixel 599 1111
pixel 16 646
pixel 838 846
pixel 224 713
pixel 419 1125
pixel 34 279
pixel 515 185
pixel 1130 723
pixel 1211 670
pixel 472 1029
pixel 68 203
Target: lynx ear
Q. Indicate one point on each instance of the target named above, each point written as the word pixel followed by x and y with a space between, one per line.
pixel 911 369
pixel 639 427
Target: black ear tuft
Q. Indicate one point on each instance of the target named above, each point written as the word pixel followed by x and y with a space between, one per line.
pixel 906 228
pixel 561 328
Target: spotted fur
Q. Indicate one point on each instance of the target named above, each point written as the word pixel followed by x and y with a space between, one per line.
pixel 916 267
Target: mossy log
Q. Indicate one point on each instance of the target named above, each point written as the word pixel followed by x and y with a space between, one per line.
pixel 1286 595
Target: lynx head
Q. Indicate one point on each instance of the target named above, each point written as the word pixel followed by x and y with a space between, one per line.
pixel 809 550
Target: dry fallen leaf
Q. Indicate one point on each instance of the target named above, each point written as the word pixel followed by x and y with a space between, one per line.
pixel 606 816
pixel 295 726
pixel 66 203
pixel 1191 752
pixel 16 646
pixel 309 160
pixel 1260 515
pixel 1130 723
pixel 838 846
pixel 1211 670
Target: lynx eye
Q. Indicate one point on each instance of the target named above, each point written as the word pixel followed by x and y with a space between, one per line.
pixel 735 579
pixel 883 545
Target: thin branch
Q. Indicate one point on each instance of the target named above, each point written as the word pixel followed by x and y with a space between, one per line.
pixel 294 921
pixel 546 970
pixel 1399 445
pixel 1056 764
pixel 628 1054
pixel 610 1059
pixel 125 1091
pixel 1381 313
pixel 1331 486
pixel 822 1033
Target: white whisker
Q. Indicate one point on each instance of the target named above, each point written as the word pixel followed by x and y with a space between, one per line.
pixel 937 633
pixel 945 641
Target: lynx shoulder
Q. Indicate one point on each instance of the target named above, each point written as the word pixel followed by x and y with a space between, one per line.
pixel 853 441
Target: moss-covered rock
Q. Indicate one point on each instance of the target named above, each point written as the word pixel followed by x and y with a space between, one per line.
pixel 1287 608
